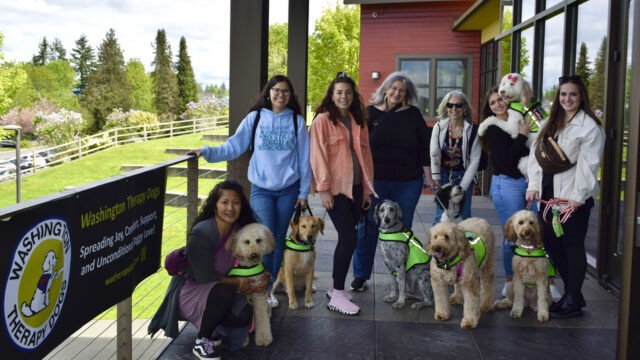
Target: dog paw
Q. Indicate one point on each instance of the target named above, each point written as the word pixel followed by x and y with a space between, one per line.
pixel 487 307
pixel 308 304
pixel 390 298
pixel 420 305
pixel 293 305
pixel 398 305
pixel 516 313
pixel 543 316
pixel 441 316
pixel 468 323
pixel 503 304
pixel 264 341
pixel 455 299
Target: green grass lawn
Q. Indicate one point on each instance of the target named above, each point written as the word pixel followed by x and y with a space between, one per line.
pixel 105 164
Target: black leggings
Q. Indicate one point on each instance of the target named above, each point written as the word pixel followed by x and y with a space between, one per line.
pixel 567 251
pixel 345 216
pixel 218 311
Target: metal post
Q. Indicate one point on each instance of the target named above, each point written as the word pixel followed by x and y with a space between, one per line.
pixel 18 131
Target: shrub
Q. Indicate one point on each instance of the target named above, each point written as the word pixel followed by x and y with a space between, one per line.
pixel 25 118
pixel 207 106
pixel 59 127
pixel 132 121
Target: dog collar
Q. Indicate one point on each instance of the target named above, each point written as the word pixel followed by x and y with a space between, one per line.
pixel 246 271
pixel 477 245
pixel 446 266
pixel 292 245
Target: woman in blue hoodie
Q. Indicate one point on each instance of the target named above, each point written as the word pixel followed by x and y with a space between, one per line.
pixel 279 169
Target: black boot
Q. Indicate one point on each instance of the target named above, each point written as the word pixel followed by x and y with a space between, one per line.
pixel 557 304
pixel 570 307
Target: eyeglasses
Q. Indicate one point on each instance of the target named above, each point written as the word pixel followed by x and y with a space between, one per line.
pixel 564 79
pixel 284 92
pixel 457 105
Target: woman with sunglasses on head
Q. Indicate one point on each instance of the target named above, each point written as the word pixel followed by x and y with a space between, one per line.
pixel 451 159
pixel 399 139
pixel 342 175
pixel 576 132
pixel 279 169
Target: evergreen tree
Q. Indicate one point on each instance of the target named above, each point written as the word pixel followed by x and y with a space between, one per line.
pixel 596 85
pixel 83 60
pixel 57 51
pixel 108 88
pixel 40 58
pixel 165 82
pixel 583 65
pixel 278 37
pixel 188 89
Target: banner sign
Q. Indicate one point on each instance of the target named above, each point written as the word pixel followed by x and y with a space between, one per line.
pixel 67 258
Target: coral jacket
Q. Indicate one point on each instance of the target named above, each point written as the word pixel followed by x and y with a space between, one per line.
pixel 330 157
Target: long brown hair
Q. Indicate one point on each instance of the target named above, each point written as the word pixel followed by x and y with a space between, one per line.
pixel 208 209
pixel 356 109
pixel 557 113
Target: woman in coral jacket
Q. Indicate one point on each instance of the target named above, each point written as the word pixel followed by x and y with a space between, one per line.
pixel 342 175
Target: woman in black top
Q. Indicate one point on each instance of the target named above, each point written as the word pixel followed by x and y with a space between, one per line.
pixel 399 139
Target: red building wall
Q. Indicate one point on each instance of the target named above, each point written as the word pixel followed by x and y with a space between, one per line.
pixel 412 28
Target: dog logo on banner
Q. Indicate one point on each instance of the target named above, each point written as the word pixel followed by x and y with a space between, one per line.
pixel 37 283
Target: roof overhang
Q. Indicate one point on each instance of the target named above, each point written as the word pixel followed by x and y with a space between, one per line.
pixel 480 15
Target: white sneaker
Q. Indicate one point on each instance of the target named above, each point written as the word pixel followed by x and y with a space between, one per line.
pixel 330 294
pixel 555 293
pixel 273 302
pixel 504 289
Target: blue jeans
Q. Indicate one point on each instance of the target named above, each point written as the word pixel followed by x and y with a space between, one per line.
pixel 508 196
pixel 445 177
pixel 406 194
pixel 275 209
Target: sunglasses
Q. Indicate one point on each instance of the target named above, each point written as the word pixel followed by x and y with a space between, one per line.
pixel 342 75
pixel 564 79
pixel 456 105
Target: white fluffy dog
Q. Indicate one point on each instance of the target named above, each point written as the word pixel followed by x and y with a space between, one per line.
pixel 250 244
pixel 40 299
pixel 514 89
pixel 463 256
pixel 530 267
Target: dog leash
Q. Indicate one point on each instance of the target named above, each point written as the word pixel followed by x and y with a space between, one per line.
pixel 299 210
pixel 560 213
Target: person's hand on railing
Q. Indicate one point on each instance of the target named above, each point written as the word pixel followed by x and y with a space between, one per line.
pixel 195 152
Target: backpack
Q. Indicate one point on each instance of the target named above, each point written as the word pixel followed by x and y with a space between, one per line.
pixel 484 157
pixel 176 261
pixel 255 127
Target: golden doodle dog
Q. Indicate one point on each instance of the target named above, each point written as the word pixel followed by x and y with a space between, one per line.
pixel 463 256
pixel 250 244
pixel 299 258
pixel 530 267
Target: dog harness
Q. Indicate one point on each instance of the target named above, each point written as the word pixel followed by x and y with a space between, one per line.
pixel 292 245
pixel 537 252
pixel 246 271
pixel 534 114
pixel 477 246
pixel 417 254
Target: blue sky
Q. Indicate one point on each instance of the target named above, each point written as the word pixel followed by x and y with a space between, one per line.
pixel 204 24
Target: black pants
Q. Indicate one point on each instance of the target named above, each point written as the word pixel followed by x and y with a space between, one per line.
pixel 567 251
pixel 345 216
pixel 218 311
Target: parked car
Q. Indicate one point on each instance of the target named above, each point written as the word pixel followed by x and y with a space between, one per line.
pixel 7 167
pixel 27 161
pixel 8 143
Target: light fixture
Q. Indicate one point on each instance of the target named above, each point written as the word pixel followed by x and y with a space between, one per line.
pixel 375 75
pixel 18 130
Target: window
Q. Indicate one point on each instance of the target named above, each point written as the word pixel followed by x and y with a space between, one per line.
pixel 434 76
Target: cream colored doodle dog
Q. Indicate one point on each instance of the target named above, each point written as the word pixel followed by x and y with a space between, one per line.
pixel 250 244
pixel 530 267
pixel 299 259
pixel 463 256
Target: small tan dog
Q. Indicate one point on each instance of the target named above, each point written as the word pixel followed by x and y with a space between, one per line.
pixel 463 256
pixel 250 244
pixel 530 267
pixel 299 259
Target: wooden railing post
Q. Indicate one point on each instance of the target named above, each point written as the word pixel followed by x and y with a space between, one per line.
pixel 192 191
pixel 124 337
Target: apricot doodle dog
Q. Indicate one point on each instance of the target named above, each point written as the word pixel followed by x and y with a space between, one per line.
pixel 299 259
pixel 250 244
pixel 530 267
pixel 463 256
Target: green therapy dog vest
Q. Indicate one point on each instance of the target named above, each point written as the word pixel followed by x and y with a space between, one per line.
pixel 417 255
pixel 243 271
pixel 477 246
pixel 539 252
pixel 291 245
pixel 533 115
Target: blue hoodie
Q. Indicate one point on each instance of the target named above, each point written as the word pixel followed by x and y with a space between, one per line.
pixel 279 159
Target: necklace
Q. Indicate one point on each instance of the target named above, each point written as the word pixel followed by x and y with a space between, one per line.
pixel 454 161
pixel 453 145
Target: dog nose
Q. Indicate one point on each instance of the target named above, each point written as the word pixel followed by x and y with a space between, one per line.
pixel 527 232
pixel 437 248
pixel 254 256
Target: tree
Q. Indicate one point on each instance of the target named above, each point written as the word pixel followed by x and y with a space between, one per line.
pixel 596 85
pixel 83 60
pixel 505 47
pixel 333 47
pixel 583 65
pixel 54 81
pixel 57 51
pixel 278 37
pixel 188 89
pixel 41 57
pixel 108 87
pixel 165 82
pixel 141 86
